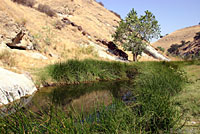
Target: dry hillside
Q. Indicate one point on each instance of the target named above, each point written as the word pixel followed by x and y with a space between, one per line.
pixel 185 34
pixel 33 39
pixel 35 33
pixel 187 50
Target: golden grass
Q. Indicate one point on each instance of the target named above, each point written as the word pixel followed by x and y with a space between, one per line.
pixel 186 34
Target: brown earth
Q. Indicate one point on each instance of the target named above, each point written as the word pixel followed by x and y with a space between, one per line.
pixel 185 34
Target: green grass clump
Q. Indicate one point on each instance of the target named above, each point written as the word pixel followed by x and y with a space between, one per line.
pixel 117 118
pixel 156 87
pixel 76 71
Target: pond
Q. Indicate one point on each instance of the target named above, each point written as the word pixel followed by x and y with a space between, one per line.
pixel 82 97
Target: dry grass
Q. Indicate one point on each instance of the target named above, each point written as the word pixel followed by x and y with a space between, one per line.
pixel 7 58
pixel 185 34
pixel 65 43
pixel 46 9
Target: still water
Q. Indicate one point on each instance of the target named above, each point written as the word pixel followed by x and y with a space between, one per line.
pixel 82 97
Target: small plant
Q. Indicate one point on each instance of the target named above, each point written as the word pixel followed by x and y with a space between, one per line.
pixel 116 14
pixel 21 21
pixel 100 3
pixel 87 50
pixel 46 9
pixel 59 25
pixel 48 35
pixel 161 49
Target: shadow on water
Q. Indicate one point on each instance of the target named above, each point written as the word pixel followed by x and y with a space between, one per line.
pixel 82 97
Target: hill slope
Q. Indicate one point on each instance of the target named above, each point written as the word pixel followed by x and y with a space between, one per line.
pixel 185 34
pixel 187 50
pixel 67 35
pixel 33 35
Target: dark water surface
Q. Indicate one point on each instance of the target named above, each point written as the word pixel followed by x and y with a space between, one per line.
pixel 82 97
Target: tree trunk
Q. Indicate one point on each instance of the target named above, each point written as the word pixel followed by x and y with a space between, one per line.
pixel 135 57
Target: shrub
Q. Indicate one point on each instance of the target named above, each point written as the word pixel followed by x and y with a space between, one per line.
pixel 59 25
pixel 161 49
pixel 116 14
pixel 29 3
pixel 100 3
pixel 46 9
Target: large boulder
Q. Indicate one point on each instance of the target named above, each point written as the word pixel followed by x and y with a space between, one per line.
pixel 13 86
pixel 149 50
pixel 14 34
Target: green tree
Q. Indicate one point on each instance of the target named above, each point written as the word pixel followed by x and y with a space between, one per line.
pixel 134 33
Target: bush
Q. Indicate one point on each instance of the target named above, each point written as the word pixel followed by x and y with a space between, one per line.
pixel 100 3
pixel 46 9
pixel 116 14
pixel 29 3
pixel 59 25
pixel 161 49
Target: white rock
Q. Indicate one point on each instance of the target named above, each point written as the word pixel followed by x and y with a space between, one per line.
pixel 13 86
pixel 155 53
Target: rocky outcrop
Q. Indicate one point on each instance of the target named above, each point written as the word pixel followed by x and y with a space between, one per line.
pixel 14 35
pixel 187 50
pixel 176 37
pixel 13 86
pixel 112 48
pixel 149 50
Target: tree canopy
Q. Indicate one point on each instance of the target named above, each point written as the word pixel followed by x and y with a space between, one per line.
pixel 134 33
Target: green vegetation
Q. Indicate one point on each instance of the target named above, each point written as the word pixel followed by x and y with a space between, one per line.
pixel 156 88
pixel 161 49
pixel 188 101
pixel 134 33
pixel 77 71
pixel 155 110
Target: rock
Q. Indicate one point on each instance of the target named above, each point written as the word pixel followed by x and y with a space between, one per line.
pixel 85 33
pixel 3 46
pixel 53 55
pixel 122 55
pixel 154 53
pixel 66 21
pixel 73 24
pixel 112 45
pixel 13 86
pixel 13 34
pixel 34 55
pixel 59 24
pixel 80 28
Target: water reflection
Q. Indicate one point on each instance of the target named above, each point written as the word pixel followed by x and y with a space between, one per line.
pixel 80 97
